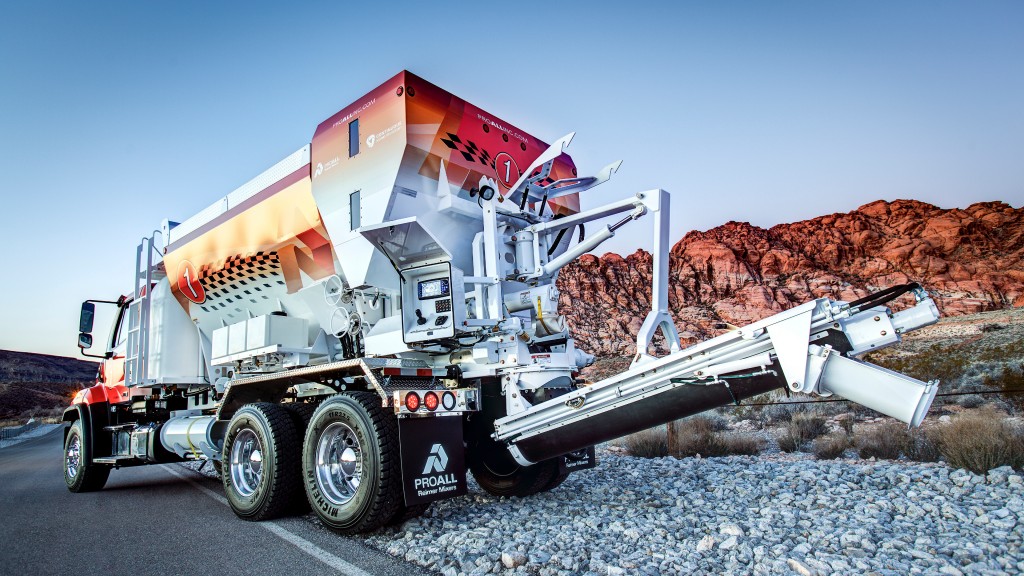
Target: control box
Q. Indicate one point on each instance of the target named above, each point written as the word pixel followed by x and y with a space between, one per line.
pixel 433 302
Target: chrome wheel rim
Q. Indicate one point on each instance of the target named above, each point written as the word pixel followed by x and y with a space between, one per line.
pixel 73 458
pixel 339 464
pixel 246 462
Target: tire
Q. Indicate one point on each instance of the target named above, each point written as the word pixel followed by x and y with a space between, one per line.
pixel 406 513
pixel 503 476
pixel 556 481
pixel 355 439
pixel 80 474
pixel 261 473
pixel 301 414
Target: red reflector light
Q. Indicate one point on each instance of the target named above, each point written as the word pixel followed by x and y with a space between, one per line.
pixel 412 401
pixel 430 400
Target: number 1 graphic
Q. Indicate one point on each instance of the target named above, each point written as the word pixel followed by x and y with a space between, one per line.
pixel 188 282
pixel 508 170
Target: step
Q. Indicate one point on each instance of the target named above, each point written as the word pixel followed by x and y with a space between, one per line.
pixel 118 461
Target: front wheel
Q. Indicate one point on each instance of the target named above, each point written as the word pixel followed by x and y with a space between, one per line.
pixel 351 463
pixel 80 474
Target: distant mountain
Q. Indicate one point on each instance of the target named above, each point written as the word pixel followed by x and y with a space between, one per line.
pixel 39 381
pixel 971 260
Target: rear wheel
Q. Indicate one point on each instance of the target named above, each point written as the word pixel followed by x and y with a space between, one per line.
pixel 500 475
pixel 556 481
pixel 406 513
pixel 351 463
pixel 80 474
pixel 301 414
pixel 261 472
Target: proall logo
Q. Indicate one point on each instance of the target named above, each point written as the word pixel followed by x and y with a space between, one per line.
pixel 437 461
pixel 319 169
pixel 371 140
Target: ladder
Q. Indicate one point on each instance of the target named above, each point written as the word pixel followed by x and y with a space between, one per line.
pixel 148 271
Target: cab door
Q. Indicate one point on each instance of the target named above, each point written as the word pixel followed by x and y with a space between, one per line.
pixel 112 369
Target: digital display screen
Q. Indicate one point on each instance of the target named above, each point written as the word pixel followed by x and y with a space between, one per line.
pixel 438 288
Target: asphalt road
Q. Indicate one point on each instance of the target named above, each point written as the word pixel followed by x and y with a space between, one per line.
pixel 160 519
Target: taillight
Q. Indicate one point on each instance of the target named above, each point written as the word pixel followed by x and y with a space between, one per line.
pixel 430 400
pixel 448 401
pixel 412 401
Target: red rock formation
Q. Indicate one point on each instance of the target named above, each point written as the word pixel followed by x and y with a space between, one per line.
pixel 971 260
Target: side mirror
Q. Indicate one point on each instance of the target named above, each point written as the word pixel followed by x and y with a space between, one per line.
pixel 85 341
pixel 85 321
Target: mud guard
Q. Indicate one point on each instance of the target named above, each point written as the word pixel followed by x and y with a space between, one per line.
pixel 433 458
pixel 91 415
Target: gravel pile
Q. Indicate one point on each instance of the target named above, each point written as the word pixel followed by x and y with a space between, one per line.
pixel 778 515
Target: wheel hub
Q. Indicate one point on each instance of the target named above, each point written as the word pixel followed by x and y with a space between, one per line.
pixel 246 462
pixel 73 458
pixel 338 464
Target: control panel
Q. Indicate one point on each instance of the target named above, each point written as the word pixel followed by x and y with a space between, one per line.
pixel 433 302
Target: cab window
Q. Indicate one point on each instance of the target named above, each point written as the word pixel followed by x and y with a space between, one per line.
pixel 119 331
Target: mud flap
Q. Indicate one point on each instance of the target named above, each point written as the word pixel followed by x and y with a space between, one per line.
pixel 582 459
pixel 433 458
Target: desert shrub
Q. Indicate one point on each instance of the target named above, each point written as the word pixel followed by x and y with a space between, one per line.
pixel 788 443
pixel 702 423
pixel 803 427
pixel 45 415
pixel 694 436
pixel 829 409
pixel 981 440
pixel 710 444
pixel 970 400
pixel 777 413
pixel 887 440
pixel 831 446
pixel 860 410
pixel 739 444
pixel 701 435
pixel 1009 379
pixel 922 445
pixel 846 424
pixel 651 443
pixel 1000 352
pixel 714 421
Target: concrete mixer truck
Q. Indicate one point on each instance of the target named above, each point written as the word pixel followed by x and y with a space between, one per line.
pixel 356 327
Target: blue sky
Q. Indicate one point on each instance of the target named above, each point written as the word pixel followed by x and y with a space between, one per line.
pixel 114 116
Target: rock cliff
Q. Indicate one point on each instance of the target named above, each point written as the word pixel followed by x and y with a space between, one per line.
pixel 970 259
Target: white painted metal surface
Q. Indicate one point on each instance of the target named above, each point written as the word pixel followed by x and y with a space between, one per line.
pixel 290 164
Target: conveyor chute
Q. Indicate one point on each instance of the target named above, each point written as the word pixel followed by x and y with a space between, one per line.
pixel 806 349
